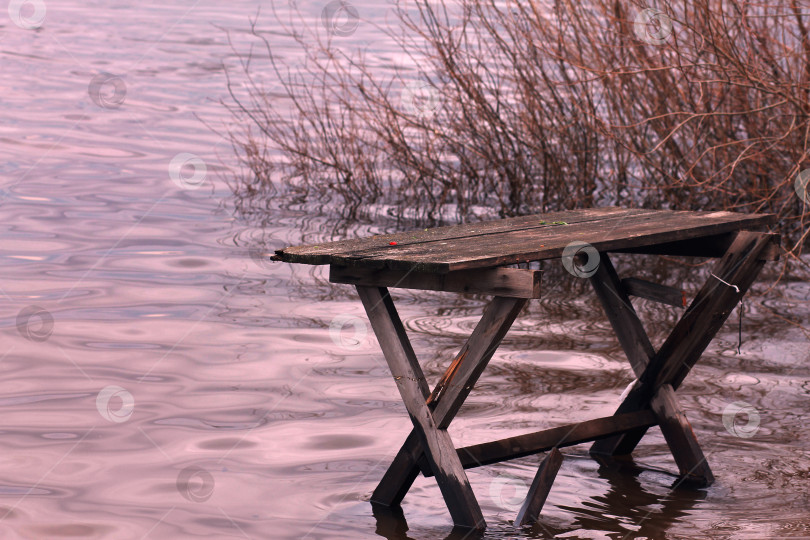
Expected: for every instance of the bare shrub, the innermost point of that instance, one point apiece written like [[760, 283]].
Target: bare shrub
[[522, 107]]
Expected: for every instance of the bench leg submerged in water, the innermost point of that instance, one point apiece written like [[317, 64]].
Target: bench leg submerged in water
[[432, 413], [663, 371], [540, 488], [639, 351]]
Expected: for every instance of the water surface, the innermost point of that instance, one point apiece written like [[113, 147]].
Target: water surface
[[157, 381]]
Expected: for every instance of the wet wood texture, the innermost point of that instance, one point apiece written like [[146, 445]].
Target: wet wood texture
[[681, 438], [511, 282], [655, 292], [412, 386], [540, 488], [526, 238], [449, 394], [561, 436], [694, 331]]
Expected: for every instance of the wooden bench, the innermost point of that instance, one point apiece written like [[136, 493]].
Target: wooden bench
[[472, 258]]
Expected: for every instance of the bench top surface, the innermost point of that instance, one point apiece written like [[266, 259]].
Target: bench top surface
[[489, 244]]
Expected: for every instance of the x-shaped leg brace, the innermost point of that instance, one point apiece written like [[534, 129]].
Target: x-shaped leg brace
[[660, 373], [431, 413]]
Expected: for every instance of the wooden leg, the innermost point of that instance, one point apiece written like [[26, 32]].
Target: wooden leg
[[629, 330], [695, 330], [436, 443], [622, 315], [540, 488], [681, 438], [449, 394], [400, 475]]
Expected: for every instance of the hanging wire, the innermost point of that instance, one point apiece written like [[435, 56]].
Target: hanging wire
[[741, 308], [739, 335]]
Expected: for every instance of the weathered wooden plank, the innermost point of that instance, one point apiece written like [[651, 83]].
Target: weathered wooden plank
[[449, 394], [622, 316], [520, 246], [507, 282], [505, 242], [540, 488], [654, 291], [436, 443], [709, 246], [681, 438], [542, 441], [697, 327], [668, 225], [321, 253]]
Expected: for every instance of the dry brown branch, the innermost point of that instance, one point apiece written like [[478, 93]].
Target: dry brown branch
[[534, 106]]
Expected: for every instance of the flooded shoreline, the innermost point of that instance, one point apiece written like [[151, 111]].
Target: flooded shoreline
[[158, 381]]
